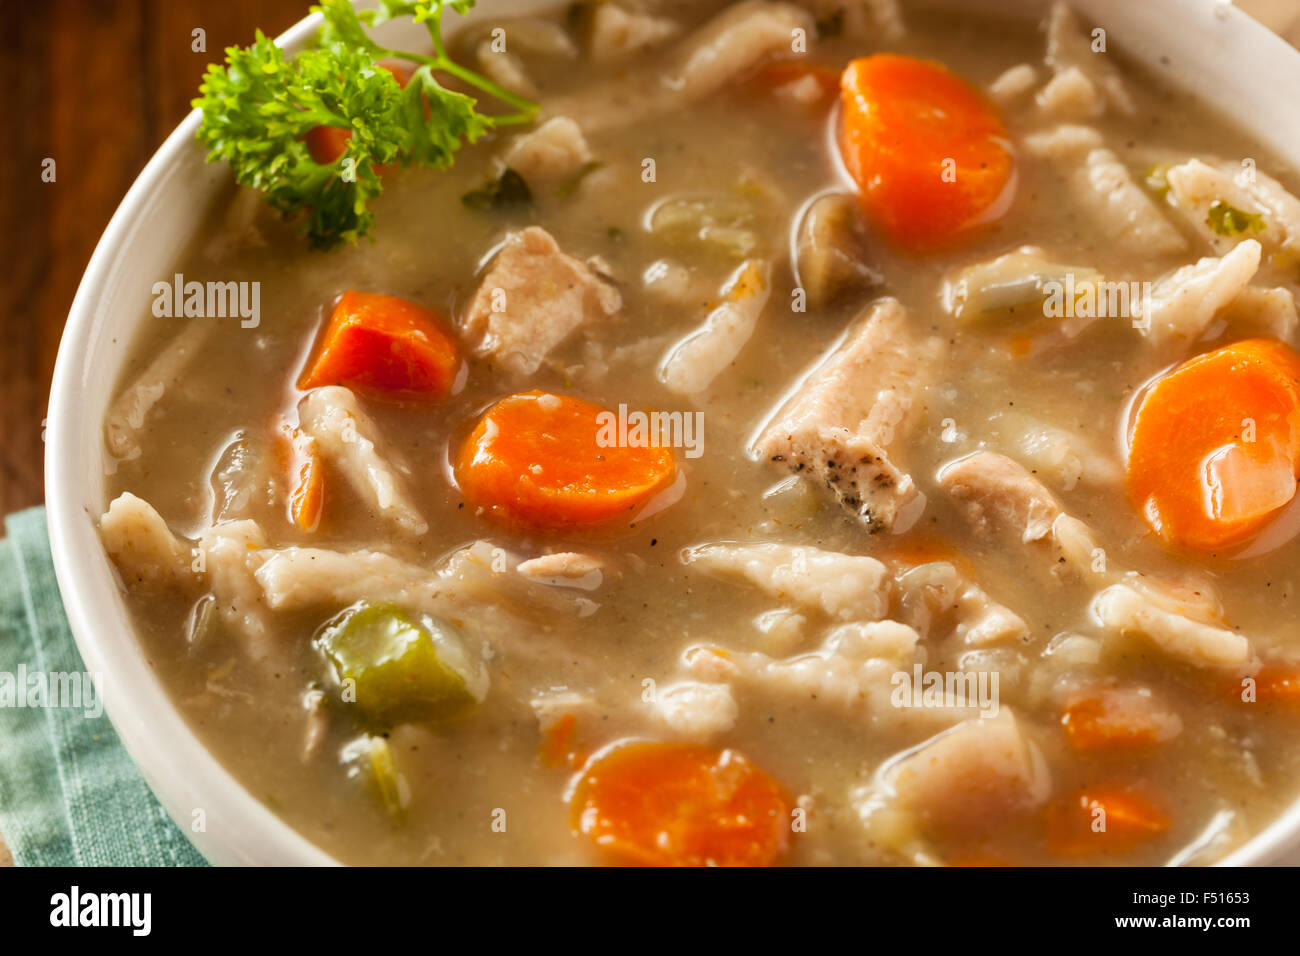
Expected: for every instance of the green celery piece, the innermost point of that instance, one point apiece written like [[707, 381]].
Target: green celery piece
[[402, 669], [1228, 220], [385, 777]]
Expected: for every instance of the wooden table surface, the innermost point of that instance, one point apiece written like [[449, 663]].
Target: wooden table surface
[[95, 85]]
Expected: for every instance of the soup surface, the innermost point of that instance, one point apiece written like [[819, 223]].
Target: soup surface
[[830, 434]]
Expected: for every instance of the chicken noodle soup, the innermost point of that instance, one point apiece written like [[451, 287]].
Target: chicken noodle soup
[[804, 433]]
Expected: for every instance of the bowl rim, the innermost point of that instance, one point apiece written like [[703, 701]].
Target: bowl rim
[[174, 761]]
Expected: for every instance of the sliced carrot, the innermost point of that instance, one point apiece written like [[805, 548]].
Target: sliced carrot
[[384, 347], [551, 461], [915, 549], [1275, 683], [671, 804], [1020, 345], [1103, 820], [326, 144], [1117, 719], [306, 472], [557, 741], [302, 470], [930, 155], [1215, 445], [784, 72]]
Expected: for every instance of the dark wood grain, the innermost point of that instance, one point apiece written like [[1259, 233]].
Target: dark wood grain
[[95, 85]]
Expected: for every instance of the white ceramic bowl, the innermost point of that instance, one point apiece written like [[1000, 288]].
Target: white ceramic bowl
[[1207, 47]]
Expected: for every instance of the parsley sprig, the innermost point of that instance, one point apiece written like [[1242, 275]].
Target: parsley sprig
[[258, 107]]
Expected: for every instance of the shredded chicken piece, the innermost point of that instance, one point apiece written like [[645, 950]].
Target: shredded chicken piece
[[1178, 617], [1123, 214], [696, 711], [846, 415], [553, 151], [474, 575], [1013, 84], [144, 549], [1183, 305], [350, 440], [232, 552], [695, 361], [999, 492], [844, 586], [1069, 47], [734, 41], [505, 69], [719, 52], [976, 774], [531, 299], [844, 675], [1195, 187], [294, 578], [618, 34], [1263, 312], [1124, 610], [127, 415], [1071, 95], [564, 569], [985, 622]]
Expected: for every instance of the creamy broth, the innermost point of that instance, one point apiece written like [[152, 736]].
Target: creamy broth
[[1228, 770]]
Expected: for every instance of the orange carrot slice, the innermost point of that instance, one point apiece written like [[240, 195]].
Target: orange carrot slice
[[1276, 684], [557, 741], [325, 144], [384, 347], [670, 804], [919, 548], [549, 461], [928, 152], [1103, 820], [1215, 446], [1117, 719], [304, 473], [784, 72]]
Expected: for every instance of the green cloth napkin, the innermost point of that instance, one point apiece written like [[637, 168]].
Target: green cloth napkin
[[69, 794]]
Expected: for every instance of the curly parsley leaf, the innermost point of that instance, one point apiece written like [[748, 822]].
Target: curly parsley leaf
[[259, 107]]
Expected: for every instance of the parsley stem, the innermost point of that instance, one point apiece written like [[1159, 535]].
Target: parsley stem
[[523, 105], [527, 109]]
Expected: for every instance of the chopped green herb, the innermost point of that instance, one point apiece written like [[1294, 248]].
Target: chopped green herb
[[258, 108], [508, 189], [1228, 220], [1156, 180]]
